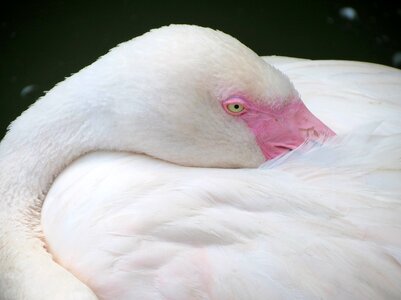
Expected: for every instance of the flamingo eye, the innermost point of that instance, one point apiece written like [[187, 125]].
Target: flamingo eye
[[234, 106]]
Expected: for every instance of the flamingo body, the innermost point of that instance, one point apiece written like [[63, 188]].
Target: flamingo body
[[322, 222]]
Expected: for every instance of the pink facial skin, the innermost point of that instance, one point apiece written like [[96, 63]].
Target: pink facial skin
[[280, 129]]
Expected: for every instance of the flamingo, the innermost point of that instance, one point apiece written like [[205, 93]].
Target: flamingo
[[163, 192]]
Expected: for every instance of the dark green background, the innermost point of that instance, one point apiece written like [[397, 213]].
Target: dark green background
[[44, 41]]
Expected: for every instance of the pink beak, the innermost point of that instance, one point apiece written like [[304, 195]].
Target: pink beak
[[279, 131]]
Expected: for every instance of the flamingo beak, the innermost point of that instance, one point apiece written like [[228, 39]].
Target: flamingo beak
[[281, 130]]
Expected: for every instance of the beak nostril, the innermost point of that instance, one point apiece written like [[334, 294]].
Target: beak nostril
[[284, 148]]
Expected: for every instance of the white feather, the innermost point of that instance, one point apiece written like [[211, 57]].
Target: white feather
[[322, 222]]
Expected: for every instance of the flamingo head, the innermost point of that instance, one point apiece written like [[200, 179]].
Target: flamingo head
[[207, 100]]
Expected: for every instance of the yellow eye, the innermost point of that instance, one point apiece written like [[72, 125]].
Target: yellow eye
[[235, 108]]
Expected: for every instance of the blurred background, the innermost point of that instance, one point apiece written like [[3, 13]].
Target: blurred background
[[42, 42]]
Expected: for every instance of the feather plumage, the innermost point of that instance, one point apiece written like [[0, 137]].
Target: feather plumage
[[322, 222]]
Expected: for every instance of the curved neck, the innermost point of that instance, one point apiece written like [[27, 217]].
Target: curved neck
[[41, 142], [74, 118]]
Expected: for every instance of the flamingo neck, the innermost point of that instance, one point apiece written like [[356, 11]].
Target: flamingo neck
[[65, 124], [36, 149]]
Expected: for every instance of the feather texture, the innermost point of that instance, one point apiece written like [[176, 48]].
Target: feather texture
[[322, 222]]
